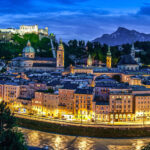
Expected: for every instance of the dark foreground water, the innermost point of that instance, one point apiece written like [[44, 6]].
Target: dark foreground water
[[63, 142]]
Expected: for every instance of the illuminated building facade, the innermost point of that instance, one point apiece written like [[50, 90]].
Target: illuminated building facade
[[24, 29], [142, 106], [45, 104], [66, 100], [11, 92], [121, 107], [60, 55], [108, 58], [83, 105]]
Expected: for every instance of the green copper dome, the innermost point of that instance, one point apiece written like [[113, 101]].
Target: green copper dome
[[28, 48]]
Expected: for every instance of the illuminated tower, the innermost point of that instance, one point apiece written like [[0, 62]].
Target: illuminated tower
[[89, 61], [108, 58], [60, 55], [93, 83], [71, 69]]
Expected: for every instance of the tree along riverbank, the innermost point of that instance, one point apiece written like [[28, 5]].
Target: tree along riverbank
[[83, 130]]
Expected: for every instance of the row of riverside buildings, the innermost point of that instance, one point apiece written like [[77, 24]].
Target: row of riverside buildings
[[78, 96], [41, 86]]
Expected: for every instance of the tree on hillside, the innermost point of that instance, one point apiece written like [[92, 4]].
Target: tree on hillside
[[10, 137]]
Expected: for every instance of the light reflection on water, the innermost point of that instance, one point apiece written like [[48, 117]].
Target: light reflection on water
[[63, 142]]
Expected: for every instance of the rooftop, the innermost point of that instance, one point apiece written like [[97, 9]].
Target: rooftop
[[84, 91]]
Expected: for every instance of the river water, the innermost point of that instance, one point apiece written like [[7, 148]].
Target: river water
[[64, 142]]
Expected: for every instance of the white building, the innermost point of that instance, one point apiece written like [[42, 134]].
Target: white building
[[26, 29]]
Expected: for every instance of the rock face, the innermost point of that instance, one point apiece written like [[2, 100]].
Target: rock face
[[122, 36]]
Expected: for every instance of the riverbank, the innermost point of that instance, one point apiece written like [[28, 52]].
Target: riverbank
[[83, 130]]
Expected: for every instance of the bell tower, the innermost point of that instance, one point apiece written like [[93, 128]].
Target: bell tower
[[108, 58], [60, 55], [133, 51]]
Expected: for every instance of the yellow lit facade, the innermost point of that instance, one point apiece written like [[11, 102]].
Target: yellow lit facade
[[60, 55], [108, 59], [83, 106]]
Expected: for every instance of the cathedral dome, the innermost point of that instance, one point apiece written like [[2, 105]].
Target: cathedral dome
[[28, 48]]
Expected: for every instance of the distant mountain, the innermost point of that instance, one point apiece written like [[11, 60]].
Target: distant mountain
[[122, 36]]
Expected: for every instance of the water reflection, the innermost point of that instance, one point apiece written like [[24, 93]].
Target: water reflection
[[63, 142], [139, 144]]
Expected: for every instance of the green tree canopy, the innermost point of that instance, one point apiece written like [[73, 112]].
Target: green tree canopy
[[147, 147], [10, 137]]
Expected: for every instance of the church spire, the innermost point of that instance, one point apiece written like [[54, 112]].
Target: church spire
[[89, 61], [132, 46], [133, 51], [61, 47], [108, 52]]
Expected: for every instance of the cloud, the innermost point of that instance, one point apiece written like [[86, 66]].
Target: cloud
[[145, 10], [72, 19], [68, 2]]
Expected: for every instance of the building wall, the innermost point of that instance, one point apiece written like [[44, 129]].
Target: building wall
[[129, 67], [11, 92], [50, 103], [134, 81], [121, 107], [37, 103], [60, 58], [1, 92], [83, 106], [66, 99], [142, 106], [28, 29], [45, 104], [88, 71], [102, 91], [108, 61], [101, 112]]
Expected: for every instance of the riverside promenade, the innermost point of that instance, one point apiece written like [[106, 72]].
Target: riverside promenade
[[85, 123]]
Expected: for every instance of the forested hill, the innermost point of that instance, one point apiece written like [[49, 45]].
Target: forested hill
[[74, 48]]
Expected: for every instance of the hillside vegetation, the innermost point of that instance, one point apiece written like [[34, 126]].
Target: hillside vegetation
[[75, 48]]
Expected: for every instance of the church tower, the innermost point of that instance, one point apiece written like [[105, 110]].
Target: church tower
[[89, 61], [133, 51], [108, 58], [60, 55]]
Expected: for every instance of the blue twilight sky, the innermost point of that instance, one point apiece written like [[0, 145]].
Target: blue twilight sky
[[80, 19]]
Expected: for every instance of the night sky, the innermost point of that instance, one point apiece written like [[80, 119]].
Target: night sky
[[77, 19]]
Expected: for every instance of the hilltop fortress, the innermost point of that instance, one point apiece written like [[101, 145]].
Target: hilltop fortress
[[23, 29]]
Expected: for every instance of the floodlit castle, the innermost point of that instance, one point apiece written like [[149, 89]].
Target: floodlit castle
[[26, 29]]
